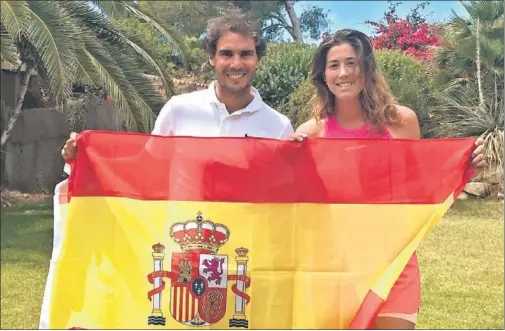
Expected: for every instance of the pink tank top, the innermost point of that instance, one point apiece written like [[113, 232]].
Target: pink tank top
[[332, 129], [407, 297]]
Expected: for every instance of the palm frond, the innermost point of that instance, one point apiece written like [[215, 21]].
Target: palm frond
[[455, 84], [111, 8], [106, 72], [492, 54], [140, 82], [493, 144], [143, 53], [167, 31], [486, 10], [8, 50], [52, 33], [459, 27], [108, 77], [83, 75], [145, 99], [95, 21], [459, 114], [146, 96], [496, 32], [459, 54], [14, 15], [108, 30]]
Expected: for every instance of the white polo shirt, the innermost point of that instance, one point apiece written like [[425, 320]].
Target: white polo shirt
[[201, 114]]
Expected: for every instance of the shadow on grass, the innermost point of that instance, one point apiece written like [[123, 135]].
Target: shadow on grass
[[477, 208]]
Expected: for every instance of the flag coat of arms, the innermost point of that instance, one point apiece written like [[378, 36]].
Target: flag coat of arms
[[213, 233]]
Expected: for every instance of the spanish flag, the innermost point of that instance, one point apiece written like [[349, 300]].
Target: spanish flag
[[216, 233]]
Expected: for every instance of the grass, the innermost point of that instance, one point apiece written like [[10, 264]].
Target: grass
[[26, 245], [462, 265]]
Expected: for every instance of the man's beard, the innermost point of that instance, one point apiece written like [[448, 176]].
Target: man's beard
[[235, 89]]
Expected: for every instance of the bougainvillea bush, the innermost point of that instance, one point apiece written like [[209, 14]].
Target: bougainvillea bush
[[402, 36], [412, 35]]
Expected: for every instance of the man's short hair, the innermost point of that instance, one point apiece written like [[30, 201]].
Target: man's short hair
[[233, 22]]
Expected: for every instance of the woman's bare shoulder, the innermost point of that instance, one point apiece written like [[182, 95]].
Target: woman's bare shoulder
[[407, 126], [311, 128]]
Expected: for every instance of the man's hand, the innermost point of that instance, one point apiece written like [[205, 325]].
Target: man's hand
[[69, 151]]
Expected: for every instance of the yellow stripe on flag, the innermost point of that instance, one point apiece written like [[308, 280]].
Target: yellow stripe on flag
[[303, 273], [382, 285]]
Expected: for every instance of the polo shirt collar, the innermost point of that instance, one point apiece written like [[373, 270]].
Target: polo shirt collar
[[255, 105]]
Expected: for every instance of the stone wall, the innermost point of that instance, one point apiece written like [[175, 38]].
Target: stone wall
[[10, 80], [33, 161]]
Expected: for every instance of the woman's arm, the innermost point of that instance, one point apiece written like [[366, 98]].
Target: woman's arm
[[311, 128], [408, 125]]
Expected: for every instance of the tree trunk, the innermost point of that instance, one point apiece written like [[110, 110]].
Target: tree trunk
[[296, 32], [478, 63], [17, 111]]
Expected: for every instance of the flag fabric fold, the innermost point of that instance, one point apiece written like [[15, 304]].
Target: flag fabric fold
[[187, 232]]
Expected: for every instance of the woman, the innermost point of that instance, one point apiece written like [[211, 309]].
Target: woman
[[354, 101]]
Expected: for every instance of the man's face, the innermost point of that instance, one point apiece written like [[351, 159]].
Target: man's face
[[235, 62]]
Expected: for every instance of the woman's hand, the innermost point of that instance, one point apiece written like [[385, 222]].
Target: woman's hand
[[478, 161], [297, 137], [478, 155]]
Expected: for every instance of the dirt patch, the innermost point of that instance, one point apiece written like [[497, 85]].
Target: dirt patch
[[16, 198]]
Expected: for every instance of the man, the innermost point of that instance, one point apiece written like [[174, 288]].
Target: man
[[230, 106]]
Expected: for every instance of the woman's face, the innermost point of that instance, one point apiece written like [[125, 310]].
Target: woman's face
[[343, 73]]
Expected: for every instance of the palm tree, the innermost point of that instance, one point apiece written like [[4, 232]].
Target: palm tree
[[471, 101], [462, 113], [76, 42], [462, 58]]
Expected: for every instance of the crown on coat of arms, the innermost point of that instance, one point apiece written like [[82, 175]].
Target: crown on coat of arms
[[158, 248], [241, 251], [199, 234]]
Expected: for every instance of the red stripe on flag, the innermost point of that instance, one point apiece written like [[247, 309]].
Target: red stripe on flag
[[192, 307], [367, 312], [174, 302], [181, 301], [187, 304], [260, 170], [195, 303]]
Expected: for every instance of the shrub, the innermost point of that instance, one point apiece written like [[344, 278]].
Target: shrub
[[282, 71], [401, 36], [412, 34], [298, 107], [410, 82], [462, 113]]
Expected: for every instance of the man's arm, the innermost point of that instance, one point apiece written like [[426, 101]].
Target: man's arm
[[288, 131], [163, 127], [164, 122]]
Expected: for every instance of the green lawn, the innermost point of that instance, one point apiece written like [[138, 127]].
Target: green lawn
[[462, 269], [461, 264], [26, 248]]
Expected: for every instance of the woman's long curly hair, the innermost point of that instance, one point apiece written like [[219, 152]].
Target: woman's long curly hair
[[376, 98]]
